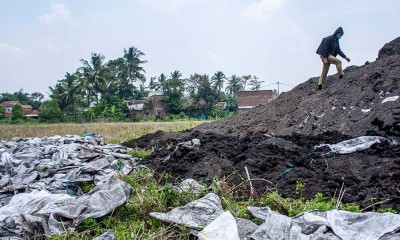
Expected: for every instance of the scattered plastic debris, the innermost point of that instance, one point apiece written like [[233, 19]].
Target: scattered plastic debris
[[109, 235], [196, 214], [41, 211], [41, 180], [288, 170], [200, 213], [190, 185], [193, 144], [390, 99], [334, 224], [224, 227], [355, 144]]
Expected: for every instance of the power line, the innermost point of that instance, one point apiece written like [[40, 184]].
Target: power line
[[279, 83]]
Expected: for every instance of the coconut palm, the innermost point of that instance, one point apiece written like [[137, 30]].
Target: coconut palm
[[56, 93], [153, 84], [256, 85], [218, 80], [235, 84], [95, 76], [134, 70], [245, 80], [71, 89], [161, 80], [192, 83], [176, 75]]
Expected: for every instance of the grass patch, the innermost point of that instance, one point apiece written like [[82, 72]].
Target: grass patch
[[87, 186], [140, 152], [133, 221], [112, 132]]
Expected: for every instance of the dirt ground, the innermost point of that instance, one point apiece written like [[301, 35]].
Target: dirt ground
[[368, 176], [276, 141], [352, 105]]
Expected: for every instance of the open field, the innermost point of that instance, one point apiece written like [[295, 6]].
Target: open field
[[112, 132]]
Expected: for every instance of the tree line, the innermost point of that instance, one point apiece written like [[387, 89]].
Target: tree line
[[98, 89]]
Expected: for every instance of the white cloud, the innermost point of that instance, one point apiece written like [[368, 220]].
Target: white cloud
[[9, 47], [59, 12], [8, 50], [260, 9]]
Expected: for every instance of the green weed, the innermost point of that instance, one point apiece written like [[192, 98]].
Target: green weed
[[87, 186], [140, 152]]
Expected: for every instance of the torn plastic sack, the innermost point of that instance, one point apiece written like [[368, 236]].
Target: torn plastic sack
[[59, 164], [332, 225], [222, 228], [369, 225], [189, 185], [41, 211], [355, 144], [196, 214], [200, 213], [193, 144], [109, 235]]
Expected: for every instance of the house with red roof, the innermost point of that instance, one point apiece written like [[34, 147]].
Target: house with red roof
[[27, 109]]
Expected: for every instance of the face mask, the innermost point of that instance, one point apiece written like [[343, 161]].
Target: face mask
[[338, 36]]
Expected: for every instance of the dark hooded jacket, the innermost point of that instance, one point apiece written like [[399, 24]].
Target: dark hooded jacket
[[330, 45]]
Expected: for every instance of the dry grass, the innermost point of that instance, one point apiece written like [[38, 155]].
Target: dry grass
[[112, 132]]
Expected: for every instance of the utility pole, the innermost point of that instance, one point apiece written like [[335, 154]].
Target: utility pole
[[278, 86], [280, 83]]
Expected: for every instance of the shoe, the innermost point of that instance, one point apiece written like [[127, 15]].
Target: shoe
[[319, 87], [340, 76]]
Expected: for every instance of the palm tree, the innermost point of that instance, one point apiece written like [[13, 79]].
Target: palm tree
[[37, 96], [174, 88], [56, 93], [245, 80], [218, 80], [122, 86], [71, 88], [95, 76], [256, 85], [161, 79], [153, 84], [192, 83], [176, 75], [235, 84], [134, 70]]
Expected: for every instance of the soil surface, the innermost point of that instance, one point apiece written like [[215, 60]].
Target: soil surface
[[368, 176], [352, 105], [276, 141]]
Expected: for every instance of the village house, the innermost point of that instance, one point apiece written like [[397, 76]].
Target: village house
[[250, 99], [150, 106], [153, 106], [158, 108], [27, 109]]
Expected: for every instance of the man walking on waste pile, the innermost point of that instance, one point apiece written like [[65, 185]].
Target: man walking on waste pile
[[328, 50]]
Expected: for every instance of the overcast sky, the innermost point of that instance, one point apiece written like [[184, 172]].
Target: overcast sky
[[275, 40]]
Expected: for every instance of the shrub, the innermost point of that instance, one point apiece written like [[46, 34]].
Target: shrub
[[17, 112], [51, 112], [2, 111], [151, 119]]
